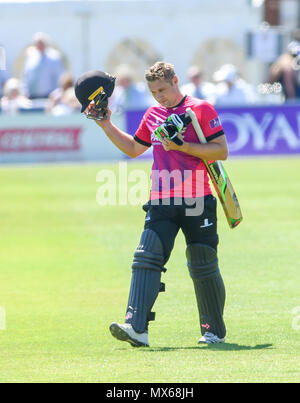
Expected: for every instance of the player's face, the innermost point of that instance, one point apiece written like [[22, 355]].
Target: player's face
[[166, 93]]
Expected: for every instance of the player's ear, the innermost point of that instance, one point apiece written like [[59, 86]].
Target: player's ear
[[175, 80]]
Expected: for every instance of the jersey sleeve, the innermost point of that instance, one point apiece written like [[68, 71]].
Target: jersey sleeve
[[209, 121], [143, 134]]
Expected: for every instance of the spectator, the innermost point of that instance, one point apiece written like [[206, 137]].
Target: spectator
[[231, 89], [286, 71], [67, 105], [13, 101], [55, 97], [128, 95], [198, 88], [3, 78], [42, 69]]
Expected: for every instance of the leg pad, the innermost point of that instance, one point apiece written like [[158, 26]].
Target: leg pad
[[147, 267], [150, 252], [209, 288], [202, 260]]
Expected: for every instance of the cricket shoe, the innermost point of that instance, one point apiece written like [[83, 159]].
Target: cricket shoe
[[125, 332], [210, 338]]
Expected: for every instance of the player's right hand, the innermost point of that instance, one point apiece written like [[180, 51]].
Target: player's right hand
[[90, 111], [90, 108], [102, 123]]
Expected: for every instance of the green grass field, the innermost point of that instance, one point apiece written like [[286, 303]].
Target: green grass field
[[65, 274]]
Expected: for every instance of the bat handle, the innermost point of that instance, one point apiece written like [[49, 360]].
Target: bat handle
[[196, 125]]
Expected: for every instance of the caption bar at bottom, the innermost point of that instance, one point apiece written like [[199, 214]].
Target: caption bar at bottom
[[180, 393]]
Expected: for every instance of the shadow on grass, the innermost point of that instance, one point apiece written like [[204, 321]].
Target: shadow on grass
[[220, 347]]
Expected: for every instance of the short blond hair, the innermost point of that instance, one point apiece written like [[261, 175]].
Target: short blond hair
[[160, 70]]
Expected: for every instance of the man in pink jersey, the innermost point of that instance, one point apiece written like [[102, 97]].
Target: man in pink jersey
[[180, 198]]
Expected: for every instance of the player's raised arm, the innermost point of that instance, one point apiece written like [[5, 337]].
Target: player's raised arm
[[124, 141], [92, 90]]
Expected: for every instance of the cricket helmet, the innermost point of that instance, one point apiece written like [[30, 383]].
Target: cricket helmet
[[95, 86]]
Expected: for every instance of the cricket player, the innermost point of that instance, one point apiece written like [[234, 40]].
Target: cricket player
[[180, 198]]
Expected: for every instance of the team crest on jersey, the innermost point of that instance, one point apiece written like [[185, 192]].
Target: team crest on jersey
[[154, 138]]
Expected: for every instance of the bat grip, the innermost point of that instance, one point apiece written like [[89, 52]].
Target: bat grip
[[196, 126]]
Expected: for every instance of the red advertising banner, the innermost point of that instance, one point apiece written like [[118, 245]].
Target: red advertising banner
[[42, 139]]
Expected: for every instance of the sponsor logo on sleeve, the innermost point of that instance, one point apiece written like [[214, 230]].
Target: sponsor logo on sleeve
[[215, 123]]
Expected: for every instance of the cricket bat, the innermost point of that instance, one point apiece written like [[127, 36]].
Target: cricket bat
[[220, 180]]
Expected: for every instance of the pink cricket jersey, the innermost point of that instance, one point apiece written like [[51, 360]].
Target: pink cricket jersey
[[174, 173]]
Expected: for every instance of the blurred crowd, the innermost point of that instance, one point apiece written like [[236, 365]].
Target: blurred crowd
[[44, 84]]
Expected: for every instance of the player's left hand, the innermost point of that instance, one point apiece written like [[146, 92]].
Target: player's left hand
[[170, 145]]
